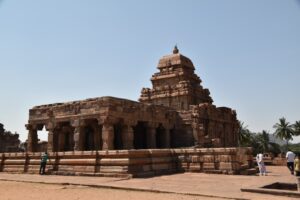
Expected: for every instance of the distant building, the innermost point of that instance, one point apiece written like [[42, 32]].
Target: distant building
[[9, 142]]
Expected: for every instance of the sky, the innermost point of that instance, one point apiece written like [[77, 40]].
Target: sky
[[247, 52]]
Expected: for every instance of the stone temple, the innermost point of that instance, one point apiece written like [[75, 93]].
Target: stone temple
[[176, 112], [173, 128]]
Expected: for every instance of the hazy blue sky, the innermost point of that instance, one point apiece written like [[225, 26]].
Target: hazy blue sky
[[246, 52]]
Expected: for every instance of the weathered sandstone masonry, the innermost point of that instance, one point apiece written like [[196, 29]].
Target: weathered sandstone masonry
[[176, 112], [133, 163], [173, 128], [104, 123]]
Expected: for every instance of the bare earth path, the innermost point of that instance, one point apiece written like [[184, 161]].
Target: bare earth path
[[201, 186], [10, 190]]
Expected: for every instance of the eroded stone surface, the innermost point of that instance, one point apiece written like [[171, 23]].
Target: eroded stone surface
[[176, 112]]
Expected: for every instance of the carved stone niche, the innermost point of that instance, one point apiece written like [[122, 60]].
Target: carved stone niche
[[198, 133]]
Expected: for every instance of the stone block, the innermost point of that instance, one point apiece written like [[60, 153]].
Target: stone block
[[76, 168], [195, 167], [77, 162], [208, 158], [227, 158], [208, 165], [161, 166], [195, 159], [229, 166], [146, 168], [113, 169], [161, 160], [15, 162], [34, 162]]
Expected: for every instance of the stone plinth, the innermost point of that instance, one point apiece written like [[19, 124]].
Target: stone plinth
[[133, 163]]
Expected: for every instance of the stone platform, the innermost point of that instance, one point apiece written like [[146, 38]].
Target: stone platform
[[133, 163]]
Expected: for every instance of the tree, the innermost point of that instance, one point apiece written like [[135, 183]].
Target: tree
[[2, 130], [244, 135], [284, 130], [264, 141], [296, 128]]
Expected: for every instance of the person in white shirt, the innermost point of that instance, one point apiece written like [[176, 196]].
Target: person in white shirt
[[290, 157], [261, 164]]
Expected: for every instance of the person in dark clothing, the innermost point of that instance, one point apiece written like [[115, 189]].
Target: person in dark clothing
[[44, 160]]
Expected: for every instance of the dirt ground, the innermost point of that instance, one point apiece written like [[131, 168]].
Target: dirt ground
[[10, 190], [175, 186]]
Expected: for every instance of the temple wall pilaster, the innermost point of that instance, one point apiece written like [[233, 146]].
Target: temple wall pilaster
[[32, 138], [108, 136], [127, 136], [151, 135], [78, 143]]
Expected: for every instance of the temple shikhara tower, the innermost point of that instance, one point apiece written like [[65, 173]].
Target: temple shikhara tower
[[176, 85], [176, 112]]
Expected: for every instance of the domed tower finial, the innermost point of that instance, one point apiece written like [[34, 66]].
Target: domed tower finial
[[175, 50]]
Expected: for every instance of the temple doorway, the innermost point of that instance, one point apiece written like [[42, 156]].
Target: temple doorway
[[88, 138], [139, 132], [118, 142], [160, 137]]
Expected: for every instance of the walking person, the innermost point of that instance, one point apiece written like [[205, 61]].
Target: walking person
[[297, 165], [261, 164], [290, 157], [44, 160]]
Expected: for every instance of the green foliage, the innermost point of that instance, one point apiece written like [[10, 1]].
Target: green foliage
[[284, 130], [2, 128], [275, 148], [263, 140], [296, 128], [260, 142], [295, 148], [244, 135]]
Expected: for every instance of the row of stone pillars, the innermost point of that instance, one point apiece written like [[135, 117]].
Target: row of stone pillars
[[105, 136]]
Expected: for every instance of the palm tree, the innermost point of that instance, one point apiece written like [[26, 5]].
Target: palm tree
[[264, 140], [244, 135], [296, 128], [284, 130]]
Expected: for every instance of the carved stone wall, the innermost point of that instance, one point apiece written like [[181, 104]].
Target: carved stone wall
[[101, 124], [213, 126], [175, 85], [133, 163], [176, 112]]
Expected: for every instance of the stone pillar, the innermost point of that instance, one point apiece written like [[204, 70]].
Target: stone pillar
[[198, 133], [127, 137], [151, 136], [77, 135], [32, 138], [50, 129], [50, 140], [108, 136]]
